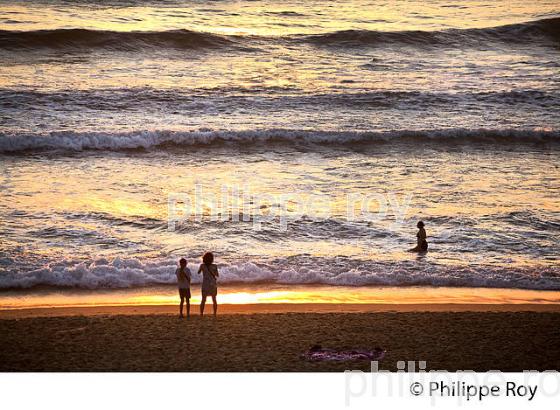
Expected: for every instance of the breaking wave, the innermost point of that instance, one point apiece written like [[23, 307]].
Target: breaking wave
[[118, 141], [128, 273]]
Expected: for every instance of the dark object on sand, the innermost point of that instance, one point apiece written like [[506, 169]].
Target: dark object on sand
[[317, 353]]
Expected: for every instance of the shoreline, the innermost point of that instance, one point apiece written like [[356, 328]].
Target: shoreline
[[263, 297], [274, 308]]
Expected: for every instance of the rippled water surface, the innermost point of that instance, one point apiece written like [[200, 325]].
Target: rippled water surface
[[443, 111]]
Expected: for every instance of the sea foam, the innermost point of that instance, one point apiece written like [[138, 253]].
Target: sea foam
[[116, 141]]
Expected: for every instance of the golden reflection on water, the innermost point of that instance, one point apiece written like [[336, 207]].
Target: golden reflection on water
[[275, 18], [140, 189], [285, 294], [245, 18]]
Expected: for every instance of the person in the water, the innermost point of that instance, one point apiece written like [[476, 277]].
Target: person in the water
[[422, 244]]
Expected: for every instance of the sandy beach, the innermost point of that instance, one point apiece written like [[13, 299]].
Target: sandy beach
[[271, 337]]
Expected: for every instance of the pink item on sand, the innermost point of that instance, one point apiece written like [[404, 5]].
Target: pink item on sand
[[318, 353]]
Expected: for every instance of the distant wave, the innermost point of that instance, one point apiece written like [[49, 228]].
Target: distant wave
[[132, 272], [83, 39], [523, 33], [76, 141], [272, 97]]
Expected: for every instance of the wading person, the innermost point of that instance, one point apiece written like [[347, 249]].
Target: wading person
[[421, 243]]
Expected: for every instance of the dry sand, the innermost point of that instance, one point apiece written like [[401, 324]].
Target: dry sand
[[271, 337]]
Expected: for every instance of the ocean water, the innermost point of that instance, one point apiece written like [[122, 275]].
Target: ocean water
[[344, 123]]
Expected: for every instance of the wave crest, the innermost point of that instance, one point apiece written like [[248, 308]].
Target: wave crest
[[523, 33], [107, 141], [79, 39], [129, 273], [113, 40]]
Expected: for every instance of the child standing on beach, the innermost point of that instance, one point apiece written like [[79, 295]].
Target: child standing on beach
[[184, 283], [209, 281]]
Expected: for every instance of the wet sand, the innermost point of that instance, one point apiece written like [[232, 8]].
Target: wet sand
[[272, 337]]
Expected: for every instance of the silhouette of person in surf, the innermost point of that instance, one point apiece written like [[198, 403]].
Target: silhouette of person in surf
[[422, 244]]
